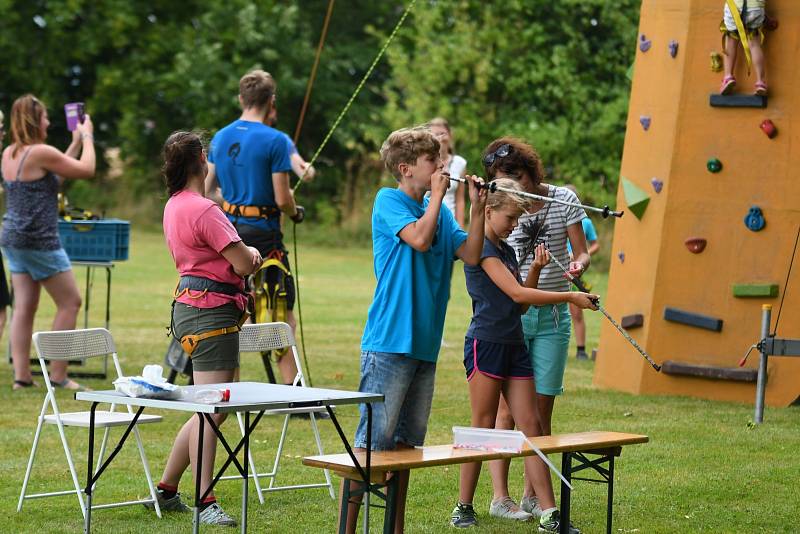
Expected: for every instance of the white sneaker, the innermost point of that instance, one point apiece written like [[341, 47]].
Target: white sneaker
[[531, 505], [506, 508], [215, 515]]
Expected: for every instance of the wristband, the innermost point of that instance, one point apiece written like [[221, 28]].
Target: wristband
[[87, 136]]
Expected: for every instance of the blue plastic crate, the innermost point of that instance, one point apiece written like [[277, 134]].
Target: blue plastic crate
[[104, 240]]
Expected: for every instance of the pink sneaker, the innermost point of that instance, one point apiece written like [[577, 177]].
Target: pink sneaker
[[761, 89], [728, 85]]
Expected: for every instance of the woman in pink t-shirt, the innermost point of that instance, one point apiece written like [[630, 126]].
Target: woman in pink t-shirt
[[212, 262]]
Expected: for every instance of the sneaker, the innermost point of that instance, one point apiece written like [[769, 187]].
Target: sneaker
[[550, 523], [463, 516], [581, 355], [506, 508], [728, 85], [173, 504], [531, 505], [215, 515]]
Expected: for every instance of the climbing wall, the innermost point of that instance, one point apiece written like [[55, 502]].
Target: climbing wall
[[690, 271]]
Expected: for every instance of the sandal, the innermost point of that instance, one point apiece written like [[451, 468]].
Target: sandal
[[761, 89], [70, 384], [728, 85], [22, 384]]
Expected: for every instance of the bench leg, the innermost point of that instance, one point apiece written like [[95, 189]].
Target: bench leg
[[345, 506], [390, 513], [610, 493], [566, 470]]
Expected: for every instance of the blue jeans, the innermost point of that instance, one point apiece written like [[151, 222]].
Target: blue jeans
[[407, 385]]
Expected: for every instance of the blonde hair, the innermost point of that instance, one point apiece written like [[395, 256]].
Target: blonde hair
[[441, 121], [405, 146], [26, 122], [256, 88], [498, 200]]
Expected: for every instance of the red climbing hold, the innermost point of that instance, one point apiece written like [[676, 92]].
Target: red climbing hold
[[696, 245], [769, 128]]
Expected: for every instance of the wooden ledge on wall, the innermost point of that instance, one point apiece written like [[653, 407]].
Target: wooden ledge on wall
[[737, 101], [737, 374]]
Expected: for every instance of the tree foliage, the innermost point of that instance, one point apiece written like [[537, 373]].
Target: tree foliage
[[551, 72]]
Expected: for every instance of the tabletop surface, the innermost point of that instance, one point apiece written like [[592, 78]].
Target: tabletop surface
[[245, 396]]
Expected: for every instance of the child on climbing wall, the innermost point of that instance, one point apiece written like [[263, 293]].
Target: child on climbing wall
[[748, 16]]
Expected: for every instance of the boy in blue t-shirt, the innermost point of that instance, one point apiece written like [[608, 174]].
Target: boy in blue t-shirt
[[415, 241]]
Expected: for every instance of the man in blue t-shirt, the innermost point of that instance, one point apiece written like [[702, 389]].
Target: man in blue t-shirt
[[414, 242], [248, 165]]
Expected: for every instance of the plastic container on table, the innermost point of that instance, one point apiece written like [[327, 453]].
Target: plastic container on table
[[95, 240], [488, 439]]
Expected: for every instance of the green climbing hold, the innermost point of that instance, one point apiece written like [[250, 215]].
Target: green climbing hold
[[714, 165], [755, 290], [635, 197]]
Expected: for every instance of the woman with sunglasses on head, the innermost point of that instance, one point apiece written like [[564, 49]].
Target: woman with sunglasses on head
[[32, 173], [454, 198], [546, 328]]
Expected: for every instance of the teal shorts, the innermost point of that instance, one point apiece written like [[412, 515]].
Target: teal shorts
[[547, 329]]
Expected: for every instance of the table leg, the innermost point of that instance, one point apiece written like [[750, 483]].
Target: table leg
[[245, 481], [87, 526], [198, 476], [108, 297], [86, 298], [368, 481], [566, 470], [390, 514]]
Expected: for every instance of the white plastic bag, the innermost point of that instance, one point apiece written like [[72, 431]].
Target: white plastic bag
[[151, 384]]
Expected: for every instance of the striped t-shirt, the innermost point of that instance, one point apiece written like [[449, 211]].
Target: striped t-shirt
[[557, 217]]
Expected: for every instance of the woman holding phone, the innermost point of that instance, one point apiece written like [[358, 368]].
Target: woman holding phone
[[32, 172]]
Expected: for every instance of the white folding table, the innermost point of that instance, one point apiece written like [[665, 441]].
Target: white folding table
[[245, 397]]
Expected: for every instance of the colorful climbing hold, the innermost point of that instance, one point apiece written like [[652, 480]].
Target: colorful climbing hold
[[644, 43], [673, 48], [632, 321], [645, 120], [696, 245], [754, 220], [769, 128], [716, 62], [621, 256], [658, 185], [755, 290], [714, 165], [635, 197]]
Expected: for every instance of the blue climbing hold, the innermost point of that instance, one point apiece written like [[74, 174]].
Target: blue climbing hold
[[754, 220]]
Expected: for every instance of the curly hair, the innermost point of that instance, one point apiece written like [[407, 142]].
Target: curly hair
[[521, 157], [405, 146]]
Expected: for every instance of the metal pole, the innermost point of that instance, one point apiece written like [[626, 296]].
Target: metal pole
[[761, 385]]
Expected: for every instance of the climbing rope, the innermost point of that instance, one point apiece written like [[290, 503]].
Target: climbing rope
[[355, 93], [313, 76], [322, 146]]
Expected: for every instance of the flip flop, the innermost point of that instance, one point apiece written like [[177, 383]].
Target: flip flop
[[70, 384], [22, 384], [728, 85]]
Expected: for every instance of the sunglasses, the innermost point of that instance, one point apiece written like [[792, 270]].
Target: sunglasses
[[501, 152]]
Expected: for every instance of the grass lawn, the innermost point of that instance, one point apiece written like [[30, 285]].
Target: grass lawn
[[704, 469]]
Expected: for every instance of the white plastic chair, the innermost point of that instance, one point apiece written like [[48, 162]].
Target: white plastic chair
[[262, 337], [80, 345]]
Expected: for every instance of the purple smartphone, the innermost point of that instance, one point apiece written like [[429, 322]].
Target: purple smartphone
[[75, 114]]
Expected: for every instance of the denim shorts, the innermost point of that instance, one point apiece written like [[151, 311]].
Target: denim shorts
[[39, 264], [547, 329], [497, 360], [407, 385]]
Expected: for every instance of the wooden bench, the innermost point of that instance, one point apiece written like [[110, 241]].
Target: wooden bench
[[580, 451]]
